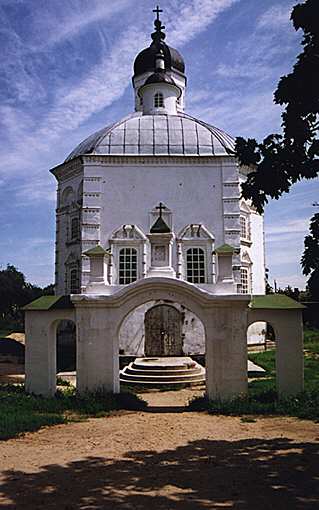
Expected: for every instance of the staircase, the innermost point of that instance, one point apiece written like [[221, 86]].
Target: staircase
[[157, 372]]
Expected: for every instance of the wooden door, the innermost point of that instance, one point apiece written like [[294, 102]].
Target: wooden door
[[163, 331]]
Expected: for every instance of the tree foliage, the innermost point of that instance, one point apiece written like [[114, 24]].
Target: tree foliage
[[15, 292], [310, 258], [280, 160]]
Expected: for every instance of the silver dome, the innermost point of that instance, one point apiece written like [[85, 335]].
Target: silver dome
[[162, 135]]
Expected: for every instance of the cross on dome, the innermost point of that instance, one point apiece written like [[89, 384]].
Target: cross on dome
[[158, 35], [157, 12]]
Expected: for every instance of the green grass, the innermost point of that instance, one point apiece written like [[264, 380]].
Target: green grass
[[262, 395], [20, 412]]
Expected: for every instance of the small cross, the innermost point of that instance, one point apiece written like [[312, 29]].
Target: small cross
[[160, 206], [157, 12]]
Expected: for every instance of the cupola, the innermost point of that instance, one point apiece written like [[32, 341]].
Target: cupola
[[159, 80]]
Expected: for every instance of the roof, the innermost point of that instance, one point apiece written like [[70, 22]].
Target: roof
[[167, 135], [96, 250], [160, 227], [145, 60], [225, 248], [275, 302], [159, 77], [49, 303]]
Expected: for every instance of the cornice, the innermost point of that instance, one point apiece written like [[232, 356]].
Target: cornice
[[155, 160]]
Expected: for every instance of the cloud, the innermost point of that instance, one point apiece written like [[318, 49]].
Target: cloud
[[275, 18], [194, 17], [290, 226], [104, 84]]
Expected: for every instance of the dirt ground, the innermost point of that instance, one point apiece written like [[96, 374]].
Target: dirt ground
[[163, 458]]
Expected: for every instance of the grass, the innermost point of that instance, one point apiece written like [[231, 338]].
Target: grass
[[262, 395], [20, 412]]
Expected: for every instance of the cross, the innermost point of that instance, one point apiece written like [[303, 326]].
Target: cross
[[160, 206], [157, 12]]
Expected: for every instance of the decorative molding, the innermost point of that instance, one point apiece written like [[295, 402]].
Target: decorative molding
[[154, 160]]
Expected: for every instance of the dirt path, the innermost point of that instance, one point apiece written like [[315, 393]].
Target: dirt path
[[163, 459]]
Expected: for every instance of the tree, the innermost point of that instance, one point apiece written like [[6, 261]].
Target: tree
[[310, 258], [283, 159], [280, 160], [15, 292]]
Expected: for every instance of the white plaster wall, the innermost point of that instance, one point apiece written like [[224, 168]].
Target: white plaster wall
[[170, 95], [63, 247], [257, 254], [132, 333], [192, 192]]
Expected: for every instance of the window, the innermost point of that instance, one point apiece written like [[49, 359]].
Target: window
[[195, 260], [74, 228], [244, 280], [158, 100], [244, 227], [127, 266], [74, 288]]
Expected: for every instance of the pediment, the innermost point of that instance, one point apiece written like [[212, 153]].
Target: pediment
[[246, 258], [244, 207], [196, 231], [128, 232]]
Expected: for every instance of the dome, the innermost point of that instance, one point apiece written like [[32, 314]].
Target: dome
[[159, 77], [162, 135], [145, 60]]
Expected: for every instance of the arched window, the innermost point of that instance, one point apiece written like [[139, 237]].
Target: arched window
[[127, 266], [244, 280], [195, 260], [158, 100], [74, 285], [74, 228]]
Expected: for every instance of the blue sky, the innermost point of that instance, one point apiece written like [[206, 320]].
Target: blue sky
[[66, 71]]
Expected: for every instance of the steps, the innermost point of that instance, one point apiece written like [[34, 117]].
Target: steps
[[157, 372]]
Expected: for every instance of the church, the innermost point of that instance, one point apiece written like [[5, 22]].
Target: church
[[159, 192], [157, 254]]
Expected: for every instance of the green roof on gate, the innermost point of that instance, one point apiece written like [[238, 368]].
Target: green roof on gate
[[275, 302], [49, 303]]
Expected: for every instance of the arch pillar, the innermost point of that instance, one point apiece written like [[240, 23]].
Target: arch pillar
[[40, 349], [226, 350], [97, 349], [288, 328]]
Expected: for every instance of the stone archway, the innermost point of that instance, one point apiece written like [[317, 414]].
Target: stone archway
[[163, 332]]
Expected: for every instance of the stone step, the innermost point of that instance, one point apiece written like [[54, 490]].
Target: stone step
[[165, 363], [162, 378], [163, 371], [130, 369]]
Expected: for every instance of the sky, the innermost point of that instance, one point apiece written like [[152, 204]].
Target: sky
[[66, 71]]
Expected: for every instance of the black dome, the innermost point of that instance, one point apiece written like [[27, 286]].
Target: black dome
[[159, 77], [145, 60]]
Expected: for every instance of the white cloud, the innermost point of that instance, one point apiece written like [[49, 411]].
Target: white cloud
[[194, 17], [291, 226], [275, 18]]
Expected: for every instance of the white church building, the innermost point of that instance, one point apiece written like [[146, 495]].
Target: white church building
[[156, 248], [159, 191]]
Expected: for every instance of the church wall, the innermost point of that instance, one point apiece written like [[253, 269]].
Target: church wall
[[68, 251], [192, 192], [257, 253]]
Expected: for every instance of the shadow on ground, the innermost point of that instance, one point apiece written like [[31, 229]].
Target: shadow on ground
[[247, 474]]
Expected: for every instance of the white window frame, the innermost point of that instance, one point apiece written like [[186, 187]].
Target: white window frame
[[245, 284], [121, 239], [125, 257], [159, 100], [196, 236], [192, 279]]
